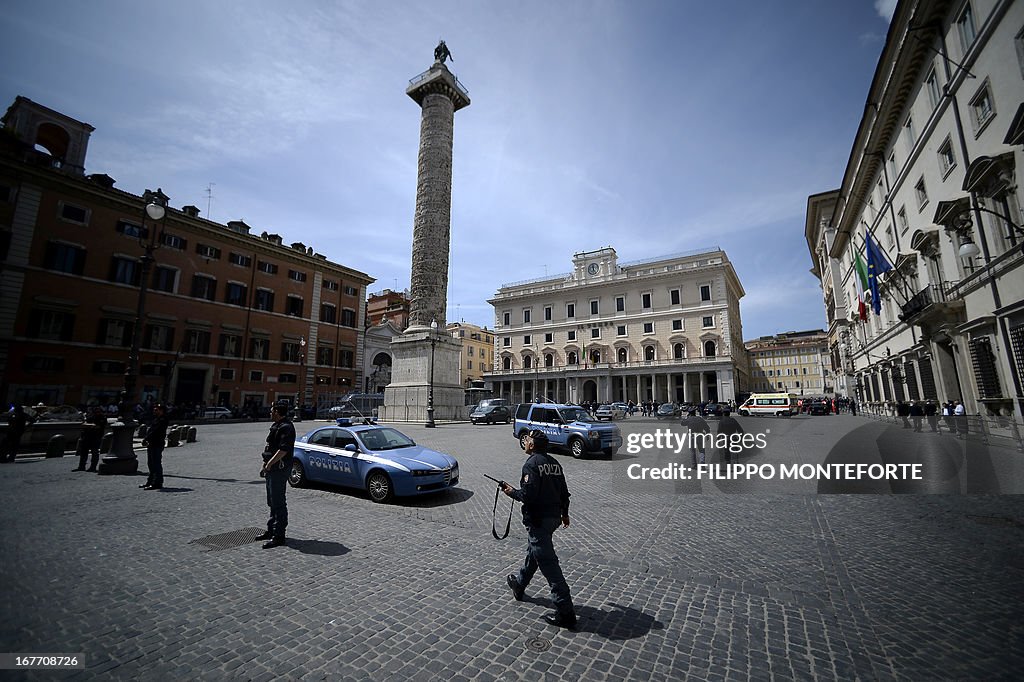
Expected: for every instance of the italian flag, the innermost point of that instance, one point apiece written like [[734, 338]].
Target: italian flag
[[862, 283]]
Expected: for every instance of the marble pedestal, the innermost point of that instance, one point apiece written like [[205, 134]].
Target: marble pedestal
[[407, 396]]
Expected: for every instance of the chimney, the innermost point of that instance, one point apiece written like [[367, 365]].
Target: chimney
[[190, 211]]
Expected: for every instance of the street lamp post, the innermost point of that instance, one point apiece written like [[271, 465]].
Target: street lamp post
[[430, 388], [300, 394], [122, 459]]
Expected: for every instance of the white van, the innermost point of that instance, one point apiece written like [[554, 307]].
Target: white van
[[771, 404]]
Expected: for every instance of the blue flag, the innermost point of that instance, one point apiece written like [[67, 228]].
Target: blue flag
[[877, 264]]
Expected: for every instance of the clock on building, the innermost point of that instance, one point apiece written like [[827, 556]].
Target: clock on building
[[593, 268]]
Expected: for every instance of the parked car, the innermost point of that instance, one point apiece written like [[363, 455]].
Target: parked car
[[668, 411], [714, 410], [381, 460], [609, 411], [568, 427], [820, 407], [491, 411], [217, 413]]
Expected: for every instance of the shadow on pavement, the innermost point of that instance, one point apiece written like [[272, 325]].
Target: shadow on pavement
[[615, 623], [175, 490], [320, 547], [441, 499]]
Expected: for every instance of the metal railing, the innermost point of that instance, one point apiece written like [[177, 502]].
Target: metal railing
[[930, 295], [998, 431], [423, 76]]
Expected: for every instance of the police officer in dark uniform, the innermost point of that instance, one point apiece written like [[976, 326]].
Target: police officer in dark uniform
[[277, 463], [545, 499], [156, 437]]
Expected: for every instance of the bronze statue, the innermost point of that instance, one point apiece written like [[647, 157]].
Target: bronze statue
[[442, 53]]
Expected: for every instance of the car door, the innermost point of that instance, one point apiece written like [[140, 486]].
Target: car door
[[347, 461]]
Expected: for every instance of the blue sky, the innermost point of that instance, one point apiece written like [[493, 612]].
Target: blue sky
[[651, 126]]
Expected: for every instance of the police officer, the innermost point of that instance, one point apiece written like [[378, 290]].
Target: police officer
[[277, 463], [154, 442], [545, 500]]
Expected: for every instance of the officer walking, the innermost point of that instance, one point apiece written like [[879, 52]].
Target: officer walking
[[277, 463], [545, 500]]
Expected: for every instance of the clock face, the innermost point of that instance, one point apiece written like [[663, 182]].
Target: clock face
[[594, 267]]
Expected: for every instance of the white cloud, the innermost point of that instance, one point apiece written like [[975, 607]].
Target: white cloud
[[885, 8]]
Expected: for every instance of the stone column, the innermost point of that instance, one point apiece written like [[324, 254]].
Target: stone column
[[703, 386], [686, 387]]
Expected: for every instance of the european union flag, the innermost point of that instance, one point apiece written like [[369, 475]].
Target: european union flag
[[877, 264]]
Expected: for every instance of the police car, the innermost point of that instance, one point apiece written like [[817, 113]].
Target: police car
[[378, 459]]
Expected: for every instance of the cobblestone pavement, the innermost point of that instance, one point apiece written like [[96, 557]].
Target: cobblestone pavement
[[667, 584]]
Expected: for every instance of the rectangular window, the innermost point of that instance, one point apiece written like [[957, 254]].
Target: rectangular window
[[236, 294], [197, 342], [264, 300], [705, 292], [506, 341], [526, 316], [921, 193], [911, 133], [708, 321], [51, 325], [620, 330], [645, 301], [130, 229], [570, 310], [982, 109], [346, 358], [901, 218], [620, 304], [289, 351], [296, 275], [348, 318], [204, 286], [674, 296], [230, 346], [548, 338], [931, 85], [269, 268], [571, 335], [165, 279], [648, 327], [287, 378], [67, 258], [890, 238], [507, 317], [965, 29], [330, 285], [946, 157], [595, 332], [892, 167], [173, 241], [207, 251], [114, 333], [328, 313], [293, 306], [527, 340], [325, 356], [469, 349], [594, 307], [72, 214], [259, 348], [547, 313], [158, 337], [227, 374], [351, 291], [239, 259], [677, 325], [124, 270], [256, 376]]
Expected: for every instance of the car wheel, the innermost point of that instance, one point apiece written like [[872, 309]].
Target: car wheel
[[297, 476], [576, 448], [522, 439], [378, 484]]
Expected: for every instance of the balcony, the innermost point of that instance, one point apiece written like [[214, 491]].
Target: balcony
[[934, 299]]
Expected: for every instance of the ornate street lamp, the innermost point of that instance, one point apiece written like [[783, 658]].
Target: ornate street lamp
[[121, 459], [430, 388]]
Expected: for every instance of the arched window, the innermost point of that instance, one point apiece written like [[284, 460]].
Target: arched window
[[595, 356], [572, 358], [623, 355], [506, 362], [709, 349], [549, 360], [648, 353], [678, 351], [528, 362]]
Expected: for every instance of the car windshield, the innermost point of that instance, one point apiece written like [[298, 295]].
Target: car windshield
[[667, 407], [384, 439], [575, 414]]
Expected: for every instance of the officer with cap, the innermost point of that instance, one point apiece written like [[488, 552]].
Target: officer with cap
[[545, 500], [277, 463]]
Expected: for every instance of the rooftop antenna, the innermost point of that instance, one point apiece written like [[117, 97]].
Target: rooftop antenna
[[209, 199]]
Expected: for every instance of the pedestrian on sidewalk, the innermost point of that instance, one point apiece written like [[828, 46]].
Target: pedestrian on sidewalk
[[545, 499], [699, 431], [155, 439], [277, 464], [916, 415], [734, 432], [17, 422], [91, 438]]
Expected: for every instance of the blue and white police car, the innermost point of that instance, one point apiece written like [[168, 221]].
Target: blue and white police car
[[379, 459]]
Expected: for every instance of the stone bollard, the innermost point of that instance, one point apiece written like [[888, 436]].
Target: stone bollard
[[106, 441], [192, 433], [56, 445], [143, 430], [174, 436]]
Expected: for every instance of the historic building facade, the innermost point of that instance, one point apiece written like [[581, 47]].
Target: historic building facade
[[230, 318], [932, 176], [388, 306], [791, 362], [662, 329], [477, 350]]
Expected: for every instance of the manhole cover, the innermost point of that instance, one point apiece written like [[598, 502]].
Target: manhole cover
[[235, 538], [538, 644]]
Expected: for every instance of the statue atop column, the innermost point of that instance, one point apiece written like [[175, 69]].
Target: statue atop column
[[441, 53]]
